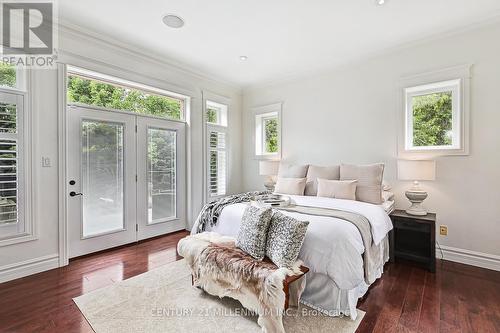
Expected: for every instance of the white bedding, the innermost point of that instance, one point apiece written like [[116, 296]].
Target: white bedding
[[332, 246]]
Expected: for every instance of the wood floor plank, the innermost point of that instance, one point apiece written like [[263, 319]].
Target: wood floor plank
[[429, 315], [410, 314], [458, 298]]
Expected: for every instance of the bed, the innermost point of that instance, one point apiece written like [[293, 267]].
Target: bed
[[333, 250]]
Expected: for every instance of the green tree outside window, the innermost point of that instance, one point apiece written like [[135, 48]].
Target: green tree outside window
[[7, 75], [93, 92], [432, 119]]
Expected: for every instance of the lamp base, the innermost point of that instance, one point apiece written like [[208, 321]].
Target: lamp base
[[416, 198], [270, 183]]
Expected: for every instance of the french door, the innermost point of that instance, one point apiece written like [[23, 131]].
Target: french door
[[126, 178]]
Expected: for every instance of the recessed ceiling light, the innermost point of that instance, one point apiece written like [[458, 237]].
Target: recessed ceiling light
[[380, 2], [173, 21], [243, 58]]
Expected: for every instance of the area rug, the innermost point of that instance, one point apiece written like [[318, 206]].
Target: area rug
[[163, 300]]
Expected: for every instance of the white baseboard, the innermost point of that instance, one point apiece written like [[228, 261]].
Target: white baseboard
[[473, 258], [28, 267]]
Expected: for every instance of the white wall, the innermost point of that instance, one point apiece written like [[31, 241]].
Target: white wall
[[350, 115], [107, 57]]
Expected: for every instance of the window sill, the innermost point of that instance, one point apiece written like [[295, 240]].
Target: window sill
[[18, 239], [275, 156]]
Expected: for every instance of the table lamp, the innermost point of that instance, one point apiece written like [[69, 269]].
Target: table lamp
[[415, 171], [270, 170]]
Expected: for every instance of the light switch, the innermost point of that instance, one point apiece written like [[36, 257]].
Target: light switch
[[46, 162]]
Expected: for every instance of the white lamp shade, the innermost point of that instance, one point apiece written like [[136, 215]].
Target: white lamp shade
[[416, 170], [268, 168]]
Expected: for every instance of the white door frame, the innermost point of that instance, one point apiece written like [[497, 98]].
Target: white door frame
[[63, 243]]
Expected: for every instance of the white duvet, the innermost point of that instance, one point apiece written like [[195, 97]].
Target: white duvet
[[332, 246]]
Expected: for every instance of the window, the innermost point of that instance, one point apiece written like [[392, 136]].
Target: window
[[14, 158], [11, 77], [216, 121], [435, 115], [216, 113], [8, 77], [90, 88], [268, 131]]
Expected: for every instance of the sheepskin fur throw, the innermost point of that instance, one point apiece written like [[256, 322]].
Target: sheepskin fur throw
[[221, 269]]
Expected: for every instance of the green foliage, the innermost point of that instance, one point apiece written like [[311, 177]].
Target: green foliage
[[7, 75], [161, 160], [432, 119], [271, 129], [212, 116], [92, 92]]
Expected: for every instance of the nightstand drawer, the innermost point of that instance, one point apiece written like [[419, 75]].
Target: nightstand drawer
[[409, 225]]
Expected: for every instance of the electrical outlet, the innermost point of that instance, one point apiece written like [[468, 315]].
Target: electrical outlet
[[443, 230]]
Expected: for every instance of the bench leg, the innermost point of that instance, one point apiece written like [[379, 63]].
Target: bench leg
[[295, 290]]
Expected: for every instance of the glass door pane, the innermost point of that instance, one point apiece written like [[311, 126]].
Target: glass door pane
[[102, 166], [161, 174]]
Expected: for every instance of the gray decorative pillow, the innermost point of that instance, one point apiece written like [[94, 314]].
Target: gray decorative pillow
[[253, 231], [285, 239]]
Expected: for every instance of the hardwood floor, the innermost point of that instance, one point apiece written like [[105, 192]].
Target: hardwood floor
[[458, 298]]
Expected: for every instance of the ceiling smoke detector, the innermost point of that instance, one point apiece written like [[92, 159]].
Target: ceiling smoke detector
[[173, 21], [380, 2], [243, 58]]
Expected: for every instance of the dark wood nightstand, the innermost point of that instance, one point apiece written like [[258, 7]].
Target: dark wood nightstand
[[414, 238]]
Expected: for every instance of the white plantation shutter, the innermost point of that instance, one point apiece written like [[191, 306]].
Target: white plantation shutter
[[217, 163], [11, 165]]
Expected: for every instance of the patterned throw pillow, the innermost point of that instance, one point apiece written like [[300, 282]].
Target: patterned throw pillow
[[253, 231], [284, 239]]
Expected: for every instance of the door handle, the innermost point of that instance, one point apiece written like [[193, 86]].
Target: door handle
[[73, 194]]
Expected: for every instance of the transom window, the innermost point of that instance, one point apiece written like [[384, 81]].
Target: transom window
[[11, 77], [90, 88], [216, 113]]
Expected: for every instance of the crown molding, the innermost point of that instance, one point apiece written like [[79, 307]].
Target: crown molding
[[294, 76], [67, 28]]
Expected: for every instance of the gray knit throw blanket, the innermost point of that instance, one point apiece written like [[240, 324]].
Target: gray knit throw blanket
[[210, 213]]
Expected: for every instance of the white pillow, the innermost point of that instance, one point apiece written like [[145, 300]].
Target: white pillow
[[292, 186], [338, 189], [314, 172]]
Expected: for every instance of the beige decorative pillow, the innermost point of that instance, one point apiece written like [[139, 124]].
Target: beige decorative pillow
[[369, 177], [338, 189], [287, 170], [314, 172], [293, 186]]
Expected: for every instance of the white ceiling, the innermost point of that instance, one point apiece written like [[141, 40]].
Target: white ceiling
[[280, 37]]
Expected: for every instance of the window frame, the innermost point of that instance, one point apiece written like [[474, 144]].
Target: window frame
[[21, 82], [454, 79], [221, 127], [221, 110], [453, 86], [116, 81], [26, 226], [261, 114]]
